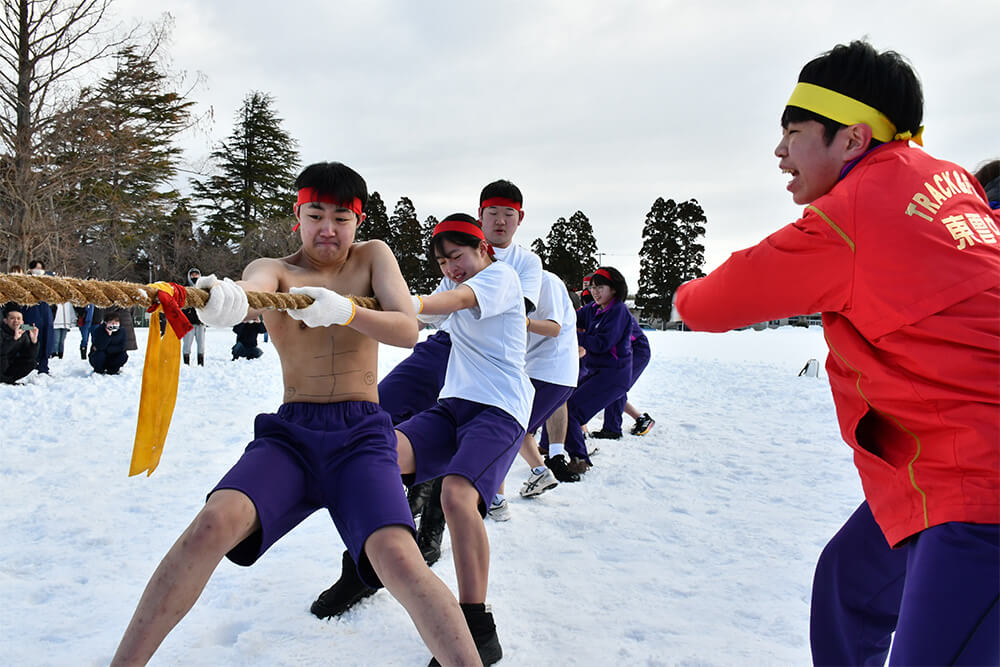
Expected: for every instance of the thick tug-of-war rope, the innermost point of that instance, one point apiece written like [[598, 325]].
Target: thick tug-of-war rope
[[161, 369], [29, 290]]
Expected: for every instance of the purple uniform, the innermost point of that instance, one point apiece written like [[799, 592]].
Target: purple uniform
[[608, 342], [460, 437], [548, 397], [640, 359], [414, 383], [938, 592], [341, 456]]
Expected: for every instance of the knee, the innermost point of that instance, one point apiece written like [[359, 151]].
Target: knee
[[392, 549], [215, 529], [459, 497]]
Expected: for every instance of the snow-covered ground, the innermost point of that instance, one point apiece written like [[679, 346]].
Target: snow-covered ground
[[693, 545]]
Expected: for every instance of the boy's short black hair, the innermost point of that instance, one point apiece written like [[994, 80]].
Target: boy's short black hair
[[885, 81], [435, 247], [334, 179], [11, 307], [36, 264], [501, 188], [617, 281], [112, 316]]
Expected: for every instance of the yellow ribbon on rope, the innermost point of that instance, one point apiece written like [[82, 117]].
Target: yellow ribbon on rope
[[160, 375]]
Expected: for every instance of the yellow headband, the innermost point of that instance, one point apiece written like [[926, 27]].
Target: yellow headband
[[848, 111]]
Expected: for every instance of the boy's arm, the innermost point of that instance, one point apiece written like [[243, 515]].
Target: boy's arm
[[549, 328], [803, 268], [396, 323]]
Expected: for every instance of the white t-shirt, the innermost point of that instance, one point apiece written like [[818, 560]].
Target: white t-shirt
[[554, 360], [529, 271], [486, 362], [528, 266]]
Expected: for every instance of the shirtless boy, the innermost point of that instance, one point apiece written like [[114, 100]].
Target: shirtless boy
[[329, 445]]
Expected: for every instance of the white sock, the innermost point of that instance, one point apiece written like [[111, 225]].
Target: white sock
[[497, 499], [539, 470], [556, 448]]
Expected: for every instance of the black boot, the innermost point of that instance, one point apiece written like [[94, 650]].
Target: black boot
[[484, 633], [187, 359], [201, 359], [417, 494], [560, 469], [347, 592], [83, 353], [431, 524]]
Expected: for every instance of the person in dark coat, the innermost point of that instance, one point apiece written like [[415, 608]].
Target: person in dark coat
[[108, 345], [40, 315], [246, 339], [18, 345]]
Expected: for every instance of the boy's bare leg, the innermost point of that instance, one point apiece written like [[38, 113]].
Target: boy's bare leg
[[435, 612], [226, 519], [469, 543], [557, 423], [529, 452], [631, 411]]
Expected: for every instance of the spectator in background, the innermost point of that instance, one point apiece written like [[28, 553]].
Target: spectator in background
[[197, 332], [246, 339], [988, 176], [85, 316], [63, 319], [40, 315], [107, 351], [18, 345], [126, 321]]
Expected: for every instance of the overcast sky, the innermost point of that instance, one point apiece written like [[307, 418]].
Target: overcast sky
[[586, 105]]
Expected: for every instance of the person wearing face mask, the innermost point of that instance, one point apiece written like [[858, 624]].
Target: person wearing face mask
[[107, 352], [197, 333], [40, 315]]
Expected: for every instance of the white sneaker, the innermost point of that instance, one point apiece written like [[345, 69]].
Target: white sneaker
[[499, 511], [538, 484]]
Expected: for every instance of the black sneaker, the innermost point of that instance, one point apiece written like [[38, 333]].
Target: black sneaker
[[431, 524], [643, 425], [347, 592], [557, 464], [479, 617], [606, 435]]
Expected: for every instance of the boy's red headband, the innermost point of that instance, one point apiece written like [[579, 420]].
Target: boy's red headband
[[500, 201], [311, 195]]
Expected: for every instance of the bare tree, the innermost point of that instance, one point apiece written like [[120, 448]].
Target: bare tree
[[44, 45]]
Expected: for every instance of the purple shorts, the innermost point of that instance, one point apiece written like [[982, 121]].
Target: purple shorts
[[548, 397], [459, 437], [341, 456]]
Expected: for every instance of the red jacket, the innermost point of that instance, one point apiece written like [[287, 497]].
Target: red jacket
[[902, 258]]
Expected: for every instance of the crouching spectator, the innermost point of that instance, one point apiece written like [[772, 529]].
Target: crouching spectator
[[107, 347], [18, 345], [246, 339]]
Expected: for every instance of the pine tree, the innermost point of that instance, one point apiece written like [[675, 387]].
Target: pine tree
[[127, 195], [538, 247], [376, 225], [670, 254], [406, 241], [571, 249], [257, 165], [431, 274]]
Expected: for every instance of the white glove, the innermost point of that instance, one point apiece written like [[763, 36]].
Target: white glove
[[418, 305], [327, 308], [227, 302]]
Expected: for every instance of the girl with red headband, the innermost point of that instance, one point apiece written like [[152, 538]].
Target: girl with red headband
[[605, 332], [473, 433]]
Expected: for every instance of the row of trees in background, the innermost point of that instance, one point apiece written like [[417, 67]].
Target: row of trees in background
[[671, 253], [88, 173]]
